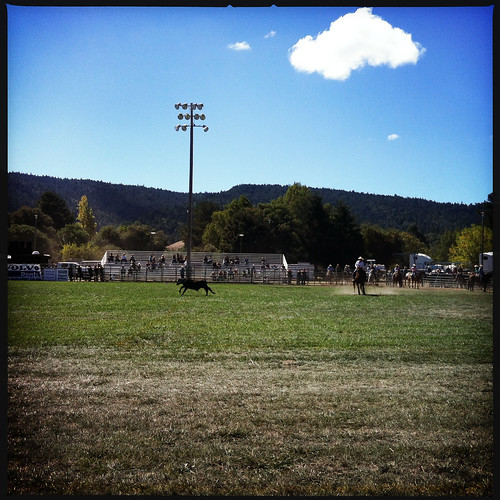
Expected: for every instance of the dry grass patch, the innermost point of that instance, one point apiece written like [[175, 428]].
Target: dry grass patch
[[92, 421]]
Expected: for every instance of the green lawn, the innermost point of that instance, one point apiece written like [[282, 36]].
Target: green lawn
[[130, 388]]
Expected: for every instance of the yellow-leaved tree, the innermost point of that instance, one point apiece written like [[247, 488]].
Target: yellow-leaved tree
[[86, 217], [467, 246], [74, 252]]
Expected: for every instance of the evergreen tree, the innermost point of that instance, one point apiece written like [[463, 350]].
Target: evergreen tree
[[52, 204], [282, 237], [440, 250], [30, 217], [379, 245], [487, 208], [347, 241], [310, 223], [239, 217], [413, 229], [73, 233], [108, 236], [202, 216], [137, 237]]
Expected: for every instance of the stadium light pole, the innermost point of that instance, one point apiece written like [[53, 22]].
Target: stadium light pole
[[36, 224], [482, 237], [241, 241], [191, 116]]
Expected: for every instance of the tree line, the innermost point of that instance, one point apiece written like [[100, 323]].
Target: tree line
[[117, 204], [298, 224]]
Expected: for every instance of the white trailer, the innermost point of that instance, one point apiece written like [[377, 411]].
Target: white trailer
[[421, 260], [487, 261]]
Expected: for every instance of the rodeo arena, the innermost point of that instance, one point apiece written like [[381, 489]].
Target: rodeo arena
[[257, 268]]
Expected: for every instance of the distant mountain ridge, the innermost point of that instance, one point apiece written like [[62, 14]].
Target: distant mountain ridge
[[115, 204]]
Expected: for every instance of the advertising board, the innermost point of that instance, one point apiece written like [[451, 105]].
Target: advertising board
[[24, 272], [52, 274]]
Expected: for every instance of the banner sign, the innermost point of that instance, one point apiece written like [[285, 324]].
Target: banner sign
[[52, 274], [24, 272]]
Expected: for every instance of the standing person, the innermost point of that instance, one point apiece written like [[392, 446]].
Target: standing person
[[329, 271]]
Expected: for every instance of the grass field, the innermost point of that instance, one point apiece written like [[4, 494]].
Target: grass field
[[129, 388]]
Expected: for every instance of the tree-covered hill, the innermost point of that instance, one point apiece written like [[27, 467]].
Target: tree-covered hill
[[115, 204]]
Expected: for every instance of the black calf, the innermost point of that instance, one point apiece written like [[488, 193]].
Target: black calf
[[188, 283]]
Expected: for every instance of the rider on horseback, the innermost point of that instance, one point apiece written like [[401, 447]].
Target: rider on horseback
[[413, 271], [481, 273], [359, 266]]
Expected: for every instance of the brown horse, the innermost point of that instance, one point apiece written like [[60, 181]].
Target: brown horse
[[477, 280], [473, 280], [359, 281], [397, 278], [460, 279], [414, 279]]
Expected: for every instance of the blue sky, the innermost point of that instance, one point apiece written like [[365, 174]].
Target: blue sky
[[394, 100]]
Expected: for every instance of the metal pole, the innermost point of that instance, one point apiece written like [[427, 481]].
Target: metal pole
[[36, 224], [191, 117], [190, 218], [482, 237]]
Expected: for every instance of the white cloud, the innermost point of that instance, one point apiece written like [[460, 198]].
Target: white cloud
[[351, 42], [239, 46], [392, 137], [270, 34]]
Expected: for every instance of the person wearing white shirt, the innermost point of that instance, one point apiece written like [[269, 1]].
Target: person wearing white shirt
[[360, 263]]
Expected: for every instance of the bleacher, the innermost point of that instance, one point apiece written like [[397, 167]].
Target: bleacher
[[240, 267]]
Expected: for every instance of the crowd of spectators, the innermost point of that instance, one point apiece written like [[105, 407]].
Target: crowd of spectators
[[86, 273], [151, 264], [232, 267]]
